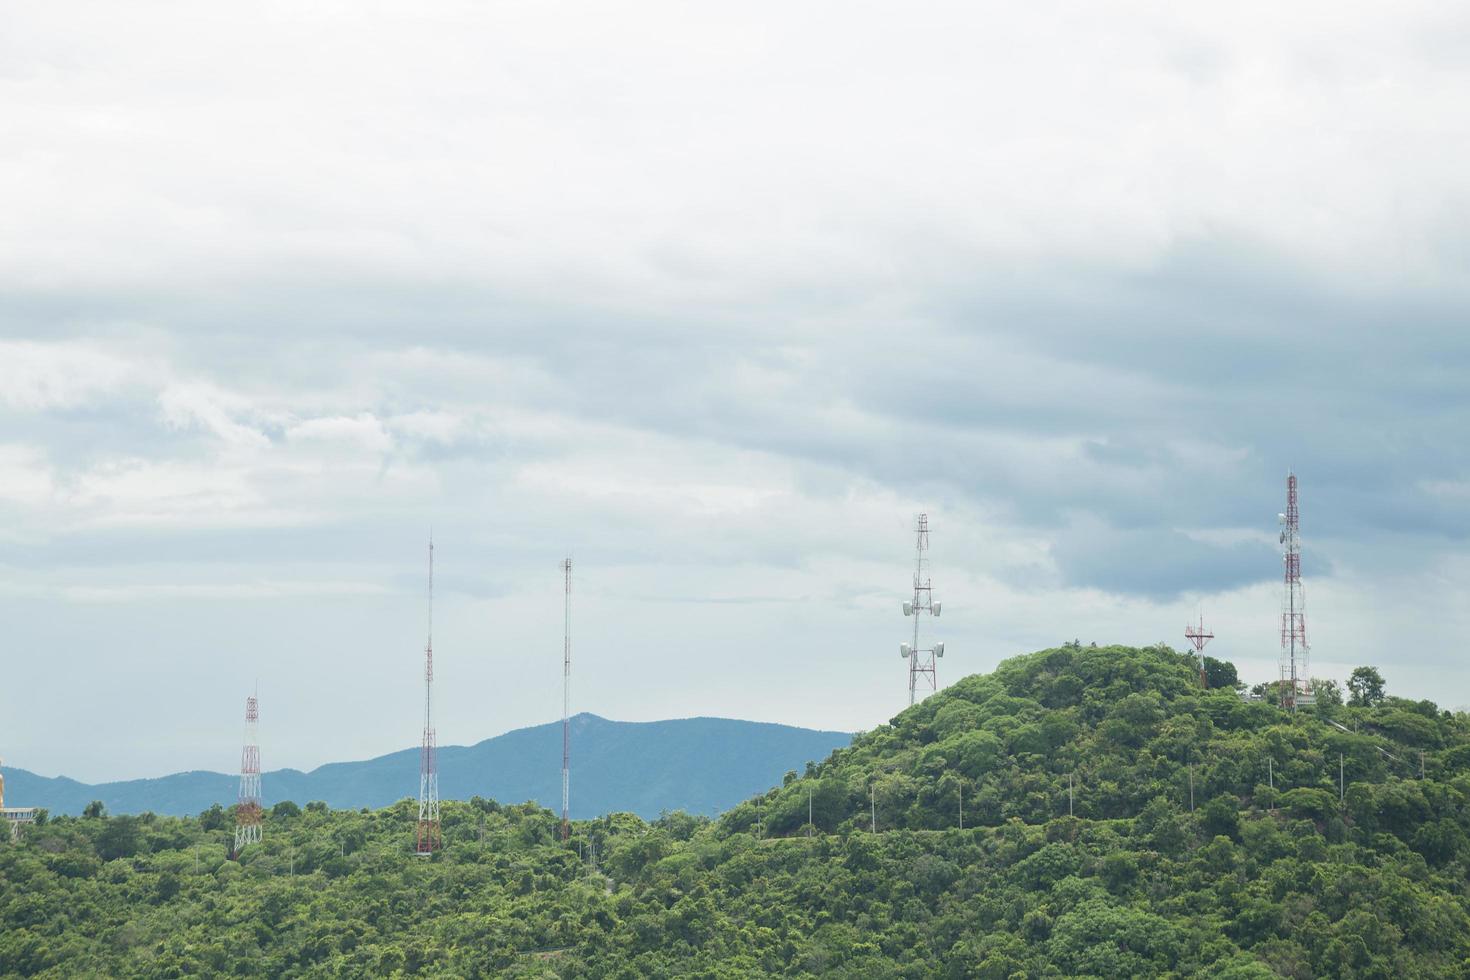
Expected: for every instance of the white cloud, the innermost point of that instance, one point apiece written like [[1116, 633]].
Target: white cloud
[[131, 491], [444, 428], [657, 153], [239, 591], [25, 475], [677, 485], [212, 408], [360, 432], [37, 376]]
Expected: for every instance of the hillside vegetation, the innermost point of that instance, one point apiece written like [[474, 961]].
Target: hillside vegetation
[[1255, 881]]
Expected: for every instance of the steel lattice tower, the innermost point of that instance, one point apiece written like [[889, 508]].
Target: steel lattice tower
[[1197, 638], [921, 659], [1296, 676], [566, 705], [427, 839], [248, 813]]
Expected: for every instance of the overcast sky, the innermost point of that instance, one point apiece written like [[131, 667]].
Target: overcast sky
[[714, 298]]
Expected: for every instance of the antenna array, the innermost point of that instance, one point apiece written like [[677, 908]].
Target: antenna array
[[1197, 638], [1296, 676], [1295, 685], [921, 659], [247, 810]]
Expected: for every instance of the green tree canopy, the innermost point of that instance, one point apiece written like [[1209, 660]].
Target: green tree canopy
[[1365, 687]]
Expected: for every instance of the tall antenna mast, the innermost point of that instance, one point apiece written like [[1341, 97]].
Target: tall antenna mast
[[1197, 638], [921, 660], [247, 809], [566, 704], [428, 840], [1296, 675]]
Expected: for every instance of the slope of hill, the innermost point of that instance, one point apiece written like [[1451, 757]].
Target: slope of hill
[[701, 765], [1126, 726], [1270, 874]]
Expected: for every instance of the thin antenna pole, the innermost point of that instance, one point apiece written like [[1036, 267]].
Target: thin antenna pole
[[566, 704], [428, 839]]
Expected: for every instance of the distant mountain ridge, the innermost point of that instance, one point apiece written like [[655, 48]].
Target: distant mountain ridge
[[702, 765]]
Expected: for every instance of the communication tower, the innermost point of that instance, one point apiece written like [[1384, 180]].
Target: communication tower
[[1197, 638], [921, 659], [566, 703], [1296, 674], [248, 813], [427, 840]]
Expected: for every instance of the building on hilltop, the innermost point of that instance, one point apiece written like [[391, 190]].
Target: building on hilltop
[[15, 817]]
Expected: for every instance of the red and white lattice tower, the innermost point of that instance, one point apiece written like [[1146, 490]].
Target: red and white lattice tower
[[1296, 674], [566, 705], [248, 813], [1197, 638], [427, 840], [921, 659]]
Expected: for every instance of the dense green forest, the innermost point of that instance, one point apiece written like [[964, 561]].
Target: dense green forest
[[1207, 836]]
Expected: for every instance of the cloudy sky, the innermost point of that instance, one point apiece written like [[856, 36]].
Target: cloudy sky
[[713, 298]]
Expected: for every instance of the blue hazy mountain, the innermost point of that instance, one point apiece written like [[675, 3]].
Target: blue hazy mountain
[[702, 765]]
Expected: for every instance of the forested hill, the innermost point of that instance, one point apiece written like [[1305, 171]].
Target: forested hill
[[1124, 727], [1255, 881], [702, 765]]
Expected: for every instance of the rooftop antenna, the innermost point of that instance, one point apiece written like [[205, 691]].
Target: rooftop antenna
[[566, 703], [427, 840], [1296, 676], [248, 813], [921, 659], [1197, 638]]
